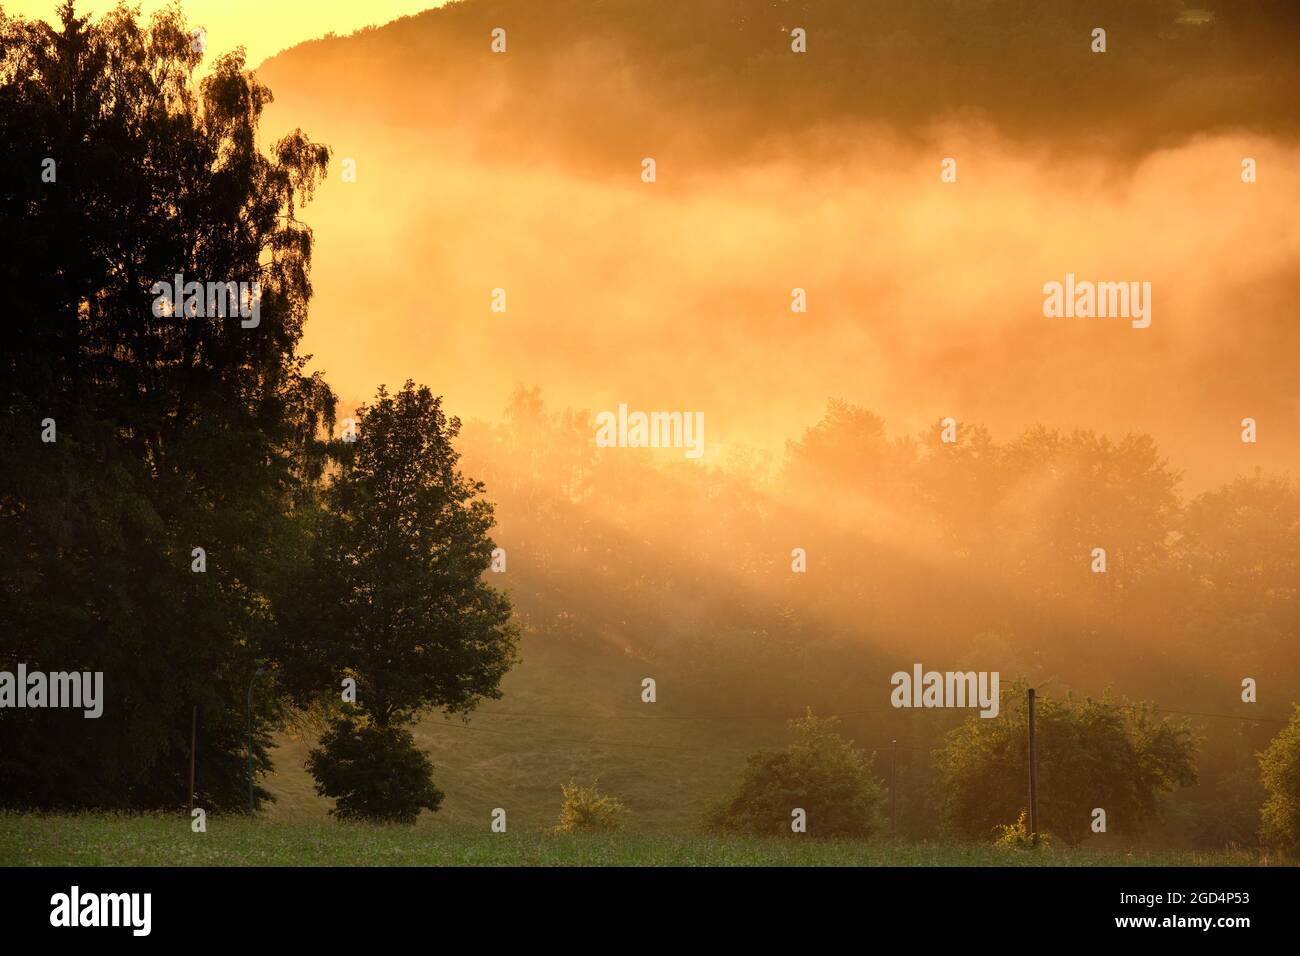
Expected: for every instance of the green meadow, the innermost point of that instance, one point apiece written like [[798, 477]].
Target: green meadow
[[148, 840]]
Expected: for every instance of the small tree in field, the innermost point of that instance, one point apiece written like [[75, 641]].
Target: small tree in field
[[1279, 768], [822, 773], [396, 598], [587, 810]]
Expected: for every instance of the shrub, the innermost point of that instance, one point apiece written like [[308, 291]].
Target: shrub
[[1279, 768], [373, 773], [1016, 836], [821, 772], [586, 810]]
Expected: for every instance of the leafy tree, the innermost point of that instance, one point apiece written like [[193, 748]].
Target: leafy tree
[[396, 594], [1279, 768], [1091, 753], [172, 432], [1240, 548], [848, 452], [821, 772], [373, 773]]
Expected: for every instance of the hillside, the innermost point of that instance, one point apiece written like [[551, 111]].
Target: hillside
[[715, 76], [567, 713]]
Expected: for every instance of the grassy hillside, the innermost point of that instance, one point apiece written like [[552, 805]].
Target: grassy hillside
[[99, 840], [567, 713]]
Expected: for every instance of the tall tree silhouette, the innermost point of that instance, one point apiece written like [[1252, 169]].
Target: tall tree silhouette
[[172, 432]]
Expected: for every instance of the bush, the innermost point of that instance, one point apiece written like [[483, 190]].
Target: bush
[[1091, 753], [1279, 768], [373, 773], [587, 810], [1016, 836], [821, 772]]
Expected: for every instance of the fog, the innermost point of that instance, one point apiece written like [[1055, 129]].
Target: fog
[[924, 298], [924, 302]]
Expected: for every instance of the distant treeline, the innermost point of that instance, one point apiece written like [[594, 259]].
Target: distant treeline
[[719, 76]]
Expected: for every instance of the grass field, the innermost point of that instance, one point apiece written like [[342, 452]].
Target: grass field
[[566, 714], [108, 840]]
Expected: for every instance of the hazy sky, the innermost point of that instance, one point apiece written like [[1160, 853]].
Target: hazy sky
[[923, 303], [924, 299], [261, 27]]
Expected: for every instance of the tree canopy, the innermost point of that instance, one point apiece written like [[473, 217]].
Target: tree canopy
[[168, 470]]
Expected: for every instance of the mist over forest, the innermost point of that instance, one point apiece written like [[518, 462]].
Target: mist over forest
[[477, 171], [821, 171]]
